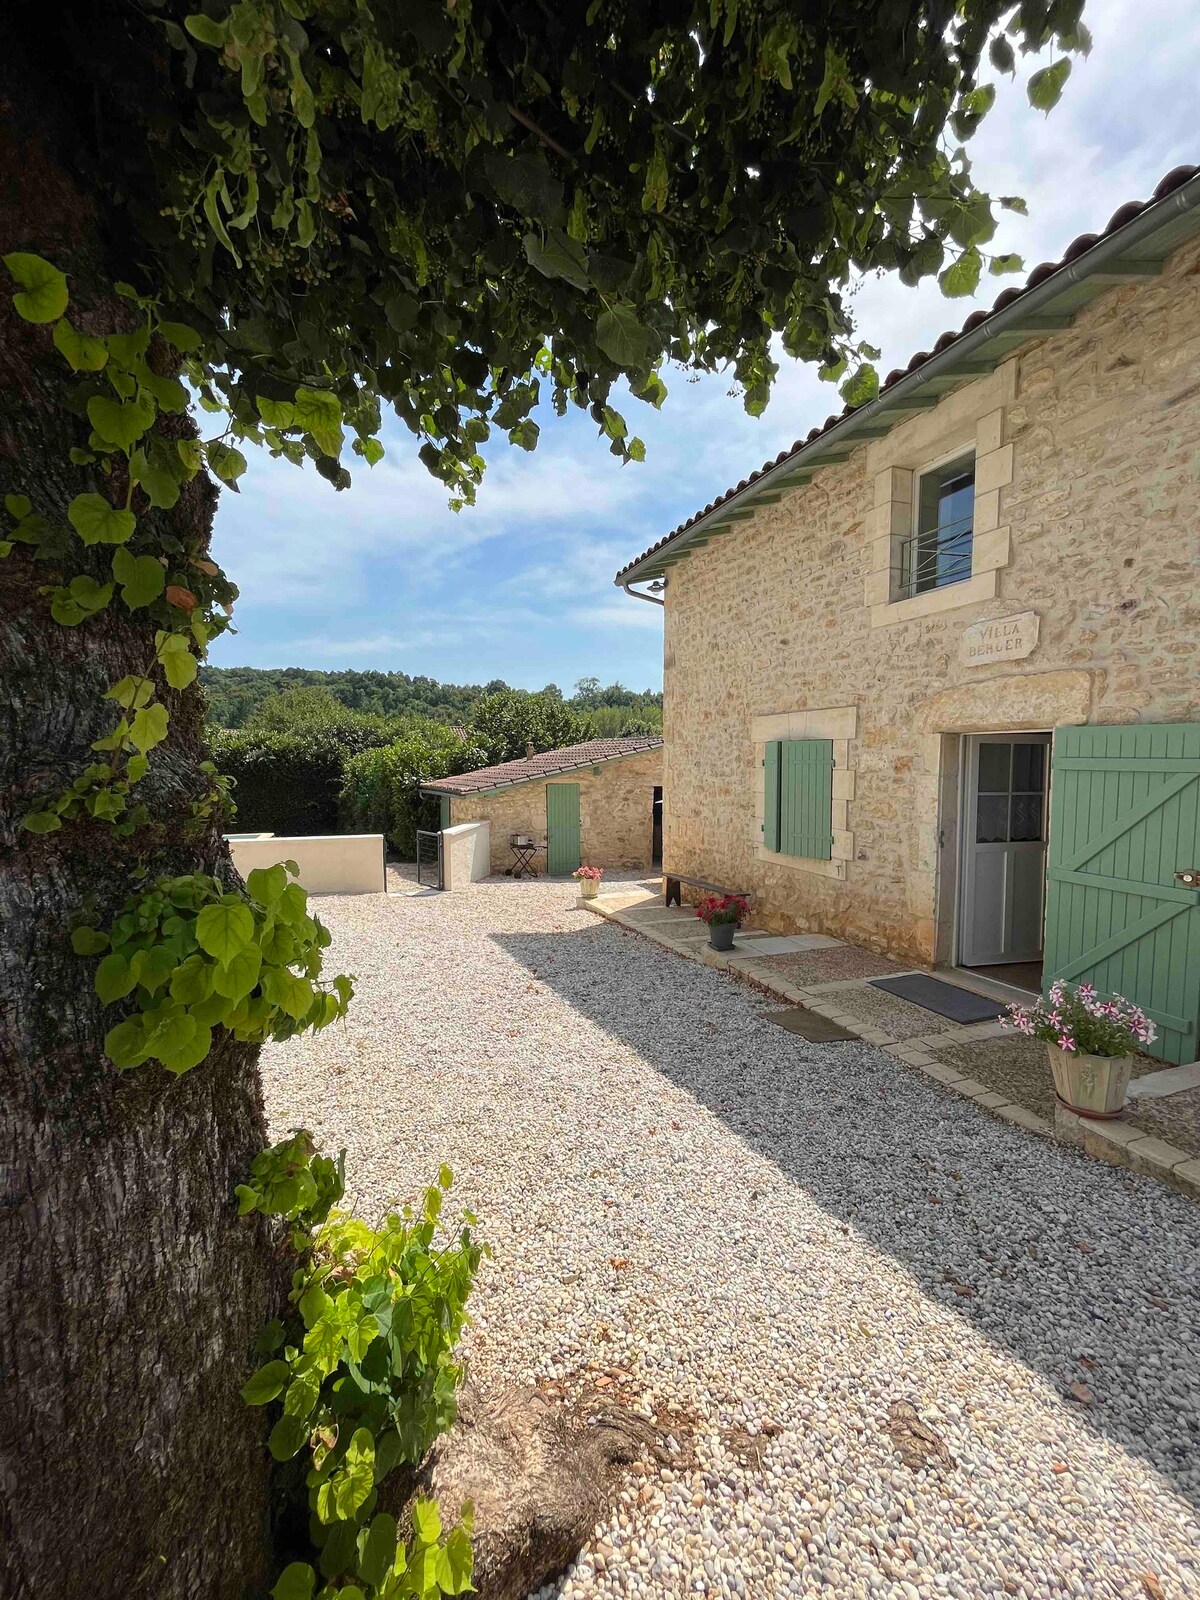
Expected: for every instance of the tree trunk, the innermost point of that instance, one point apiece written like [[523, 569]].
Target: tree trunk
[[129, 1291]]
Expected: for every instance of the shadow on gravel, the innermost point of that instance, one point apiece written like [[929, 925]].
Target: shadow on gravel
[[1086, 1274]]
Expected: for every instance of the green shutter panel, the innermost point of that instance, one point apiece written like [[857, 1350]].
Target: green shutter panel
[[806, 799], [444, 818], [562, 828], [771, 771]]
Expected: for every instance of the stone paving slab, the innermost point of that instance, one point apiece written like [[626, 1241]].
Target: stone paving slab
[[979, 1061]]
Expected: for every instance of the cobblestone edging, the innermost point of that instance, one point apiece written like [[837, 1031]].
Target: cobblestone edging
[[1117, 1142]]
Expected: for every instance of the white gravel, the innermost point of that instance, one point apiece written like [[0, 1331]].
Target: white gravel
[[737, 1227]]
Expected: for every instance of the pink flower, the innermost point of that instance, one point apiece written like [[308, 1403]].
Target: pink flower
[[1065, 1042]]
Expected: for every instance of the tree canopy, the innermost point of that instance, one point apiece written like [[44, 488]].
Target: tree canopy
[[461, 208]]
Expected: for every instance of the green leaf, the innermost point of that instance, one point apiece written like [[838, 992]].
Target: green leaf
[[142, 578], [236, 977], [190, 454], [962, 276], [427, 1523], [266, 1383], [226, 462], [181, 336], [224, 929], [88, 941], [44, 287], [624, 340], [18, 505], [319, 414], [1045, 87], [114, 978], [377, 1546], [169, 392], [355, 1478], [192, 981], [42, 821], [371, 450], [287, 1436], [284, 989], [96, 522], [456, 1564], [81, 351], [296, 1582], [125, 1045], [82, 598], [1001, 55], [206, 30], [152, 967], [266, 884], [121, 422], [1008, 263], [131, 693], [276, 413], [149, 727], [557, 255], [180, 1042], [177, 661]]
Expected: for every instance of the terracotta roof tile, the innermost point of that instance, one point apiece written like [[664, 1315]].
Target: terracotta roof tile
[[1079, 246], [550, 762]]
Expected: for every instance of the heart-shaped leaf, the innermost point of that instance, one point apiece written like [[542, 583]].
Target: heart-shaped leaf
[[43, 296]]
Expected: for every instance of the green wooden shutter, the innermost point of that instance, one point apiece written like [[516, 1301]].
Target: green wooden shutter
[[806, 798], [444, 818], [771, 770], [1124, 819], [562, 828]]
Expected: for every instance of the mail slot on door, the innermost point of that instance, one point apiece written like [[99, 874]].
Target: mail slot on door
[[1189, 877]]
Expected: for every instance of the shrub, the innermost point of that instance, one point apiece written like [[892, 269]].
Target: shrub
[[381, 793], [290, 782], [505, 723]]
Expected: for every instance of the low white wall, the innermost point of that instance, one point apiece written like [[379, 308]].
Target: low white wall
[[466, 854], [336, 863]]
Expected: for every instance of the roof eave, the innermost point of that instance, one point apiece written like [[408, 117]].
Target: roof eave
[[1132, 253], [539, 777]]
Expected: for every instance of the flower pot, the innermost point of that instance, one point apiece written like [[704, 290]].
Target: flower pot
[[720, 935], [589, 888], [1091, 1086]]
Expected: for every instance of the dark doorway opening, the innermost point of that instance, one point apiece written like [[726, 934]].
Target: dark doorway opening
[[656, 831]]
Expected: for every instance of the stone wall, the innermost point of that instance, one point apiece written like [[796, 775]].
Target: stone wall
[[616, 821], [1088, 509]]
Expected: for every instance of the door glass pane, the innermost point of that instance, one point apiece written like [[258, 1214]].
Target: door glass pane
[[1029, 768], [991, 819], [994, 765], [1026, 817]]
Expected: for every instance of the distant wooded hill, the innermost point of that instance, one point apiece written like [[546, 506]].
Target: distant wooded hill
[[234, 693]]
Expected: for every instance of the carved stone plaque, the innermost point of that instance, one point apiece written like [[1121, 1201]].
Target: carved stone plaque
[[999, 639]]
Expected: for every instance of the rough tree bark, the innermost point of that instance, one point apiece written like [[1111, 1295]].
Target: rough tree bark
[[129, 1292]]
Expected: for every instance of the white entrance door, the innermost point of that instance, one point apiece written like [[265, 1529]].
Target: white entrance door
[[1002, 904]]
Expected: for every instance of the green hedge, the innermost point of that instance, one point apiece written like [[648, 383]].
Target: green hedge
[[290, 783], [381, 791]]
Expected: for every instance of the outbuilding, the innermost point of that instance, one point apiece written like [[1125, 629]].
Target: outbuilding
[[597, 804]]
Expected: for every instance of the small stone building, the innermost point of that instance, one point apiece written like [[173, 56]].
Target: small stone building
[[596, 804], [958, 719]]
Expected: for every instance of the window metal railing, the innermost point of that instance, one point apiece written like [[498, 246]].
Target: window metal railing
[[936, 557]]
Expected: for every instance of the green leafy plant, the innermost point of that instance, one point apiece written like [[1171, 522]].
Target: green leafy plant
[[196, 956], [364, 1374]]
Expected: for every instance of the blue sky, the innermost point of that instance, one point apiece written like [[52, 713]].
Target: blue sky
[[520, 587]]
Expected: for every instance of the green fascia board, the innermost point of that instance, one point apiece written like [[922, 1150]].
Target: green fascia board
[[1134, 253]]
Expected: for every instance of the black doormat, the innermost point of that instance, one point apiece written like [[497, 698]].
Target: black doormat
[[944, 999], [810, 1025]]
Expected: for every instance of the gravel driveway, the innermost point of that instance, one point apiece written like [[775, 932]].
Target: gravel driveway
[[771, 1244]]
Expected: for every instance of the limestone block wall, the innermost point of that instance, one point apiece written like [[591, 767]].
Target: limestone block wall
[[1088, 506], [615, 811]]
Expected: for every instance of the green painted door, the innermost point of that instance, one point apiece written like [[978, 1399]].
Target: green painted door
[[562, 828], [444, 813], [1124, 820]]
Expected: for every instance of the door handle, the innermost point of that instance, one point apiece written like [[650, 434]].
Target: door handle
[[1189, 877]]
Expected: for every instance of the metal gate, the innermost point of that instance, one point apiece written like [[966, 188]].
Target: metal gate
[[1124, 830], [429, 859]]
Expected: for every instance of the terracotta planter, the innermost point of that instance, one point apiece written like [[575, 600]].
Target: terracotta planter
[[720, 935], [1092, 1086], [589, 888]]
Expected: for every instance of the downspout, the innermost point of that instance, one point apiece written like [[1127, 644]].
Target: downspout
[[638, 595]]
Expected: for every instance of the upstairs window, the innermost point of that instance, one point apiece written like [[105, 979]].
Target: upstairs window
[[938, 553]]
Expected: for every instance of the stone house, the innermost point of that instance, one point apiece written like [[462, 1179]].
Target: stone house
[[597, 804], [961, 721]]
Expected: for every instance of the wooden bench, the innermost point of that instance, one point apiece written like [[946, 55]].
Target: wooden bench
[[674, 881]]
